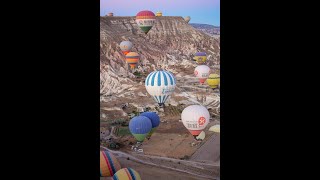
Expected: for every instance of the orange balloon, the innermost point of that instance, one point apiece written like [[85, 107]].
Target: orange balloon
[[132, 59]]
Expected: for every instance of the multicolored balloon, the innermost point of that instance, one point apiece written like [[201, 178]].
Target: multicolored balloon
[[187, 19], [159, 14], [202, 73], [126, 174], [195, 118], [125, 47], [132, 59], [145, 20], [213, 80], [109, 165], [155, 121], [160, 85], [200, 57], [139, 127]]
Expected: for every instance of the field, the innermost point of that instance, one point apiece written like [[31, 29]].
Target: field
[[122, 131]]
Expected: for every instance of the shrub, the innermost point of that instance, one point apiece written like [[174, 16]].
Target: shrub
[[186, 157], [137, 74]]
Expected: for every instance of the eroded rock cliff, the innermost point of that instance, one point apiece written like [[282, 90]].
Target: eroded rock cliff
[[170, 44]]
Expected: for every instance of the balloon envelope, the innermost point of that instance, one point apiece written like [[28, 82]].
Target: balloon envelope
[[213, 80], [160, 85], [132, 59], [127, 174], [126, 46], [202, 73], [159, 13], [195, 118], [215, 128], [139, 127], [200, 57], [155, 121], [145, 20], [201, 136], [109, 165]]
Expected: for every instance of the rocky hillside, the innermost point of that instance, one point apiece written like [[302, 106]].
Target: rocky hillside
[[209, 29], [170, 44]]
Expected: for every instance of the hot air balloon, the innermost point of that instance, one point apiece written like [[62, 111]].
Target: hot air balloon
[[155, 121], [109, 165], [159, 13], [202, 73], [145, 20], [195, 118], [110, 14], [215, 128], [201, 136], [127, 174], [139, 127], [160, 85], [125, 47], [187, 19], [213, 80], [132, 59], [200, 57]]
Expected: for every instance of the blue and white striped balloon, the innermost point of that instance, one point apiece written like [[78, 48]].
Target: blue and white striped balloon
[[160, 85]]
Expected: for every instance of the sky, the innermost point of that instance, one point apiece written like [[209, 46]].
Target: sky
[[200, 11]]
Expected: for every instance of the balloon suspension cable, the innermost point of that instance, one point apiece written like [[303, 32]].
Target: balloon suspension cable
[[139, 144], [162, 106]]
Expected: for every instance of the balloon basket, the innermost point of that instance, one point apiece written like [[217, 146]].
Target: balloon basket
[[137, 147], [196, 143], [161, 105]]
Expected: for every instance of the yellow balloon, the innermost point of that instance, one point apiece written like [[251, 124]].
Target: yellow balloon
[[159, 13], [200, 57], [215, 128], [213, 80]]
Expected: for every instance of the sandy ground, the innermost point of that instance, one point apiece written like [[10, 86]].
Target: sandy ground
[[169, 145], [172, 140]]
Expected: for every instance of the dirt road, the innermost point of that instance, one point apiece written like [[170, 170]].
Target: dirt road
[[210, 151]]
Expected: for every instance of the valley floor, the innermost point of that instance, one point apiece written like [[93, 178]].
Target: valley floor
[[203, 165], [171, 142]]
